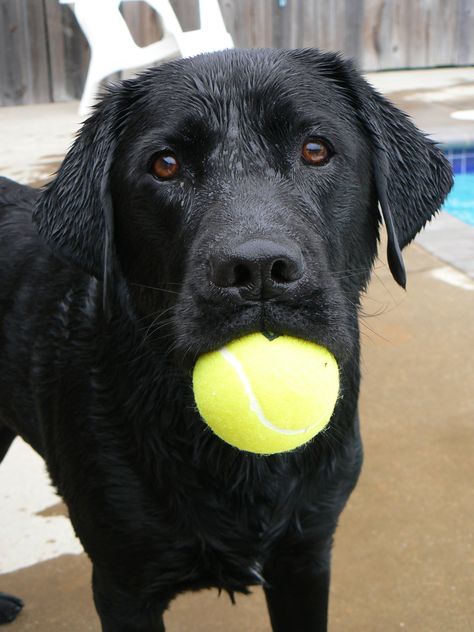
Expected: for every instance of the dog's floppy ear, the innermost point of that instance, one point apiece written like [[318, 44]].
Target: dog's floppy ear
[[74, 213], [412, 175]]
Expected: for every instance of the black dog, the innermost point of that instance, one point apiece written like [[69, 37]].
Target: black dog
[[205, 199]]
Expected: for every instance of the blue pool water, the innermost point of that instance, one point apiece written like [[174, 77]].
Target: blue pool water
[[460, 202]]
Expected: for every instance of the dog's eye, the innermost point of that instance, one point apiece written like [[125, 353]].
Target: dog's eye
[[165, 166], [315, 152]]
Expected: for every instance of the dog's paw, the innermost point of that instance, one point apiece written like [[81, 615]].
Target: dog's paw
[[10, 606]]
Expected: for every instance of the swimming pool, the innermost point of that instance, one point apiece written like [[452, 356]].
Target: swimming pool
[[460, 202]]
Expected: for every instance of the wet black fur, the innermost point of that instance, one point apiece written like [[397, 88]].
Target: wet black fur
[[105, 310]]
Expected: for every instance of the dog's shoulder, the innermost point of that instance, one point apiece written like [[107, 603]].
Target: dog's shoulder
[[16, 196]]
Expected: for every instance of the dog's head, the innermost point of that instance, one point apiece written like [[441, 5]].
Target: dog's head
[[240, 191]]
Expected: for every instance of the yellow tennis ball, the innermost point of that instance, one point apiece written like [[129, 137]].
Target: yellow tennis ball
[[266, 396]]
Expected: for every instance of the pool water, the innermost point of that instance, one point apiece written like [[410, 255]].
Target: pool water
[[460, 201]]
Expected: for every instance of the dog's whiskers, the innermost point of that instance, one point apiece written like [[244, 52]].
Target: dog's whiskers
[[156, 289]]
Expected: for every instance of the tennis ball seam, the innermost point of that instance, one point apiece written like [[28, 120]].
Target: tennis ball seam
[[254, 403]]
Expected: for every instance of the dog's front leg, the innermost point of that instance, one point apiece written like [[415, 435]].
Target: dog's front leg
[[297, 590], [122, 611]]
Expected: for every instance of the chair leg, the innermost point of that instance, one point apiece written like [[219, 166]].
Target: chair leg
[[91, 89]]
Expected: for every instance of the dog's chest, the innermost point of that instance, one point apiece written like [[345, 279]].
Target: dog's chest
[[221, 538]]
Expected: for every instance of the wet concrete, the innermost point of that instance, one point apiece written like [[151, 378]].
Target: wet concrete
[[34, 139], [430, 97], [404, 553]]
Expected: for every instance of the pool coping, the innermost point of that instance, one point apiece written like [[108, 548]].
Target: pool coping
[[447, 237], [451, 240]]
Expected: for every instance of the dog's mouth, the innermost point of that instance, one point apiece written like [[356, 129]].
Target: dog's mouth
[[211, 330]]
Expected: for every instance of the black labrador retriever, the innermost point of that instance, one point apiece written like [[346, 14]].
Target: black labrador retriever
[[203, 200]]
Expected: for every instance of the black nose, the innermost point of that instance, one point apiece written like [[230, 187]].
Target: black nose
[[258, 269]]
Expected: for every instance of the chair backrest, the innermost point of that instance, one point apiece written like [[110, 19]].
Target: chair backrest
[[102, 23], [113, 46], [210, 16]]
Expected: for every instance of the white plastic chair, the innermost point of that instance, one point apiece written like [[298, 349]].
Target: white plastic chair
[[113, 48], [211, 36]]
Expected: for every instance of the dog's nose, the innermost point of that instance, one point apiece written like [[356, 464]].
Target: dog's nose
[[258, 268]]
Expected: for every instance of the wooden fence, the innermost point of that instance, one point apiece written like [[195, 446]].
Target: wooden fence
[[44, 55]]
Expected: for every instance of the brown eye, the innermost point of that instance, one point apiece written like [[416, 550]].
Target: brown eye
[[315, 152], [165, 166]]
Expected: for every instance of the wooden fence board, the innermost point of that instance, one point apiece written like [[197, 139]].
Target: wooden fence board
[[260, 24], [307, 21], [443, 20], [143, 22], [57, 50], [465, 33], [24, 65], [44, 55], [240, 21], [77, 53], [39, 84], [417, 50], [385, 32], [9, 92], [14, 60], [68, 51], [353, 28], [280, 26], [187, 12]]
